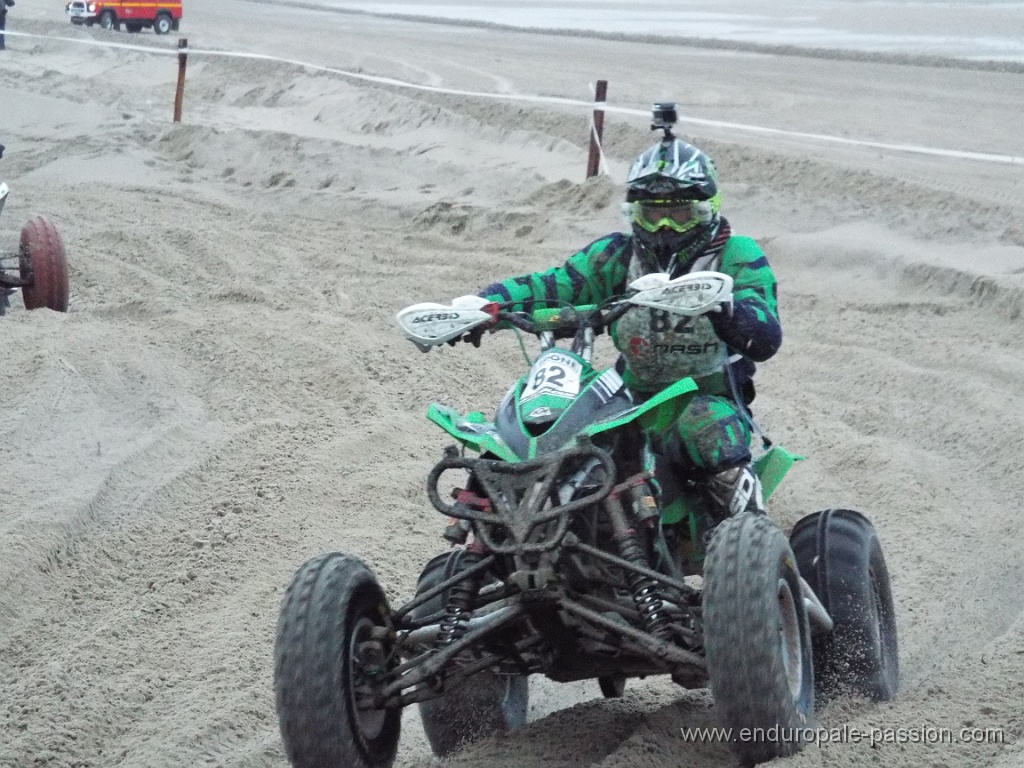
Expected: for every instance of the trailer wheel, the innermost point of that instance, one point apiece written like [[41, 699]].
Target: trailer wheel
[[43, 262]]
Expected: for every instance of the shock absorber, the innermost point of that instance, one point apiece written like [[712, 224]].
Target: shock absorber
[[458, 610], [645, 589]]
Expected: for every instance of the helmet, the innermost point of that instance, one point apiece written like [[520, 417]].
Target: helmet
[[672, 202]]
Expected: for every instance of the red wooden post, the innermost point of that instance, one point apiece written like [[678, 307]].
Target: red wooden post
[[597, 131], [180, 92]]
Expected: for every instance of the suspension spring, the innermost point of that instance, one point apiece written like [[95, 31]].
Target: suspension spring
[[645, 589], [459, 608]]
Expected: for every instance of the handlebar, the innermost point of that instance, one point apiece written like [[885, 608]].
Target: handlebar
[[563, 322], [429, 324]]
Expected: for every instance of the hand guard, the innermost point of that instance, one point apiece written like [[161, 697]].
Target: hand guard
[[473, 336], [428, 325], [692, 294]]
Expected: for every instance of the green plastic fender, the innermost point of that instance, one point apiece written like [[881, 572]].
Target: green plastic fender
[[481, 441], [656, 414], [772, 466]]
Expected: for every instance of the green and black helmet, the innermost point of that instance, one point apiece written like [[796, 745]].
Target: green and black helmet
[[672, 202]]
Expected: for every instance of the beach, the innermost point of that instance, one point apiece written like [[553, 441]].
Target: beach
[[229, 395]]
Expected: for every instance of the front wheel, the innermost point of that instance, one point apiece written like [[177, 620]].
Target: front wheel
[[162, 24], [109, 21], [328, 659], [485, 703], [43, 262], [757, 639], [839, 555]]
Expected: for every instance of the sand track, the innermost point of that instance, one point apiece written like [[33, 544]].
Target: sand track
[[227, 396]]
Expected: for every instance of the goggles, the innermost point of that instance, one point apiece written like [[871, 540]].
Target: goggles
[[677, 215]]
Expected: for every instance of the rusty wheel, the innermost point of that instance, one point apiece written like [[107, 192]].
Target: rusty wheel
[[44, 265]]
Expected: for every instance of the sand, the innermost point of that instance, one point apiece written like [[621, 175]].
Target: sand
[[228, 394]]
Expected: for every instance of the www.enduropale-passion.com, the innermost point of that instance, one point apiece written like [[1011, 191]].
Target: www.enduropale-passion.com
[[850, 735]]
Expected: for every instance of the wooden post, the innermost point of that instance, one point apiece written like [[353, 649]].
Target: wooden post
[[597, 131], [180, 92]]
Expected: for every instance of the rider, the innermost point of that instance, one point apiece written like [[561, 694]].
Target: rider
[[673, 202]]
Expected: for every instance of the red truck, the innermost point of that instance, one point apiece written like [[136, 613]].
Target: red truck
[[161, 15]]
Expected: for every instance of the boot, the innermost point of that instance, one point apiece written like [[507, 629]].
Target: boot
[[734, 491]]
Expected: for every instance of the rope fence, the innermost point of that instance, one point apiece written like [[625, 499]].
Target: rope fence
[[598, 107]]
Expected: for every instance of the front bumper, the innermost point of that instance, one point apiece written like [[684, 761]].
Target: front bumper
[[79, 15]]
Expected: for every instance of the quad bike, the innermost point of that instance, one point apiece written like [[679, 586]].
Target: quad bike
[[40, 267], [574, 557]]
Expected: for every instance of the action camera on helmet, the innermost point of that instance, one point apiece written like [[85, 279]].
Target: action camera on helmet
[[664, 116]]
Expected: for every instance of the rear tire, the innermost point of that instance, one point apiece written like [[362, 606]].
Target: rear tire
[[322, 651], [485, 703], [162, 25], [43, 260], [839, 555], [757, 639]]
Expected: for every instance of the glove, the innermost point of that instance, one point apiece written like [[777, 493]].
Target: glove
[[472, 337]]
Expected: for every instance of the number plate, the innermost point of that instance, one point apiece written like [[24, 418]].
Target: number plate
[[554, 373]]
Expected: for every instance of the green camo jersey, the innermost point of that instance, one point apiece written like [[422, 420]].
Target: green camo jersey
[[657, 348]]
